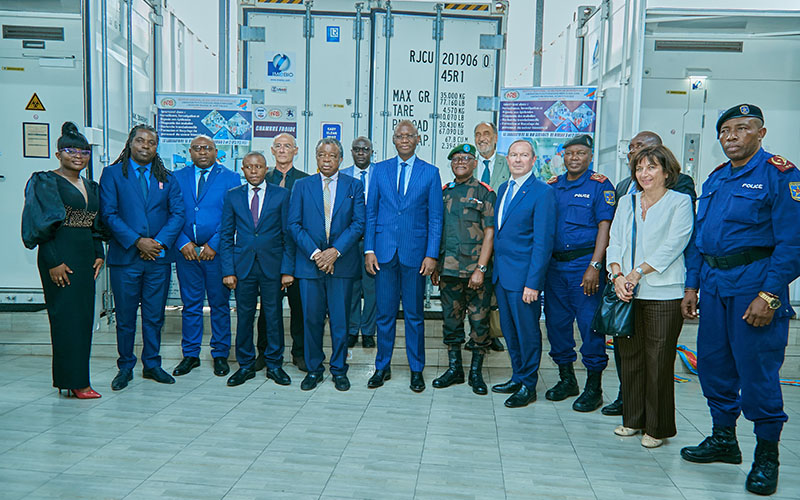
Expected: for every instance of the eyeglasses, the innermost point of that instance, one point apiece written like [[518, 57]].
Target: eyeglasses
[[86, 153], [197, 149], [357, 149], [327, 156], [462, 159], [405, 137]]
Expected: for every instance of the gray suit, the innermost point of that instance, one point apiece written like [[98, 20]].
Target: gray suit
[[500, 172]]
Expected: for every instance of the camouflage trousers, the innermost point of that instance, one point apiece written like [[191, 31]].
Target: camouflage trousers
[[459, 300]]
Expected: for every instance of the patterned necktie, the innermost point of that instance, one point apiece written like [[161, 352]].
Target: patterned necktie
[[401, 184], [143, 181], [201, 182], [507, 201], [487, 176], [364, 182], [283, 179], [326, 201], [254, 205]]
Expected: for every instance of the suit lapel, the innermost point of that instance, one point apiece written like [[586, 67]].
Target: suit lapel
[[413, 180], [342, 186], [267, 196], [319, 201], [393, 179], [133, 180], [520, 193], [211, 176]]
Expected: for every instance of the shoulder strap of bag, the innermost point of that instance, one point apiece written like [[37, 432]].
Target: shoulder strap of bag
[[633, 243]]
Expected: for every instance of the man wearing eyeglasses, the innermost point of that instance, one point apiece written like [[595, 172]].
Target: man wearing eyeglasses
[[401, 245], [203, 184], [284, 149], [362, 317]]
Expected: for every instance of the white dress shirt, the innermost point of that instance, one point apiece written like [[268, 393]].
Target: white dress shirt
[[517, 184], [261, 193], [482, 166]]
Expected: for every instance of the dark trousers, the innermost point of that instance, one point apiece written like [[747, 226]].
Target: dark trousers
[[459, 300], [326, 296], [362, 317], [248, 290], [520, 323], [648, 365], [145, 283], [738, 365], [295, 323]]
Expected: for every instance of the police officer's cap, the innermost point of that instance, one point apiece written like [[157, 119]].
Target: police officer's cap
[[462, 148], [580, 140], [739, 111]]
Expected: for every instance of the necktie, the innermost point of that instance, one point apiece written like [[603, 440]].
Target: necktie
[[283, 179], [364, 182], [326, 201], [487, 176], [143, 181], [401, 184], [254, 205], [507, 201], [201, 182]]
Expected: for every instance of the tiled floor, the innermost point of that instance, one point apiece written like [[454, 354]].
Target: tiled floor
[[200, 439]]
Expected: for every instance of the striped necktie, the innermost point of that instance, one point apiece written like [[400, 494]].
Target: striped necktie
[[326, 200]]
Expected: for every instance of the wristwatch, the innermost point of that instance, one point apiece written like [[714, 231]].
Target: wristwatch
[[482, 269], [640, 271], [771, 300], [596, 265]]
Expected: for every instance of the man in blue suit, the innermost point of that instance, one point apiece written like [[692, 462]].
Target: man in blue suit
[[326, 221], [523, 243], [141, 204], [203, 185], [401, 243], [257, 261], [362, 318]]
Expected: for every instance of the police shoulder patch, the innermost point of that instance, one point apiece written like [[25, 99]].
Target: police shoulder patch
[[486, 186], [552, 180], [794, 190], [719, 167], [781, 163], [610, 197], [598, 177]]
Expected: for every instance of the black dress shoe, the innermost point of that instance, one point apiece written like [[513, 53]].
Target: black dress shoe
[[497, 345], [379, 377], [341, 382], [352, 340], [241, 376], [311, 381], [613, 409], [279, 376], [300, 363], [417, 382], [367, 341], [509, 387], [158, 374], [121, 380], [221, 367], [523, 397], [260, 363], [186, 365]]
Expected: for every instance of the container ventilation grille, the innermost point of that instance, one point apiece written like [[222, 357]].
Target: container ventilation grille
[[698, 46], [16, 32]]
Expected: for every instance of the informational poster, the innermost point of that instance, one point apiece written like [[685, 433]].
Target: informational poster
[[548, 116], [273, 120], [227, 119], [35, 140]]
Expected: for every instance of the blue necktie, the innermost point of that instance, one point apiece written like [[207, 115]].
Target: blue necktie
[[507, 201], [143, 181], [201, 183], [364, 181], [401, 184], [487, 176]]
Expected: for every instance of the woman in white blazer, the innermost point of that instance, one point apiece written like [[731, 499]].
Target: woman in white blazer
[[655, 283]]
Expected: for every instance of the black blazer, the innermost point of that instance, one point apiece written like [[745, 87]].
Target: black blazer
[[274, 177]]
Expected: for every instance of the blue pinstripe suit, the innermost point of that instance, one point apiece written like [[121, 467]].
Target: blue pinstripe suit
[[403, 229]]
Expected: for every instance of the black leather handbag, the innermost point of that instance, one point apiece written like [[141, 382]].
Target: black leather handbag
[[613, 316]]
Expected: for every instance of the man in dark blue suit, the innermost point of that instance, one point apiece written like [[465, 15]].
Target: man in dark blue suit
[[523, 243], [257, 261], [401, 243], [326, 221], [203, 184], [141, 204]]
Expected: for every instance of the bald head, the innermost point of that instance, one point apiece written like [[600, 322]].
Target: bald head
[[641, 140]]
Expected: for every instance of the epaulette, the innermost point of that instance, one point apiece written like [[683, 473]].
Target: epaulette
[[486, 186], [781, 163], [719, 167], [552, 180], [449, 185], [444, 186], [598, 177]]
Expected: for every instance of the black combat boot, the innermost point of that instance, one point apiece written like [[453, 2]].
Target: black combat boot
[[567, 385], [763, 477], [475, 374], [455, 370], [720, 446], [592, 397]]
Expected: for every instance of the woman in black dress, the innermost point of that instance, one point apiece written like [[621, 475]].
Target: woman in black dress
[[60, 216]]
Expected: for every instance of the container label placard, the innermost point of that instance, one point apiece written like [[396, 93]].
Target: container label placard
[[548, 116], [274, 120], [280, 66]]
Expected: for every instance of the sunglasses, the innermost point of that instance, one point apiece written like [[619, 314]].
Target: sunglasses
[[74, 152]]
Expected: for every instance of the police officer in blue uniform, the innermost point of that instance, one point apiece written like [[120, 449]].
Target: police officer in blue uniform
[[586, 202], [749, 246]]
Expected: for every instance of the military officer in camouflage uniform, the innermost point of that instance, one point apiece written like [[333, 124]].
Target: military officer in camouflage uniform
[[466, 250]]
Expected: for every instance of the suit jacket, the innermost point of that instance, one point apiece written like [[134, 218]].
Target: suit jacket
[[203, 212], [500, 173], [129, 216], [409, 225], [274, 177], [307, 225], [242, 243], [523, 242]]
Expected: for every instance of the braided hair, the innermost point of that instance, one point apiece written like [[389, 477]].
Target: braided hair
[[160, 171]]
